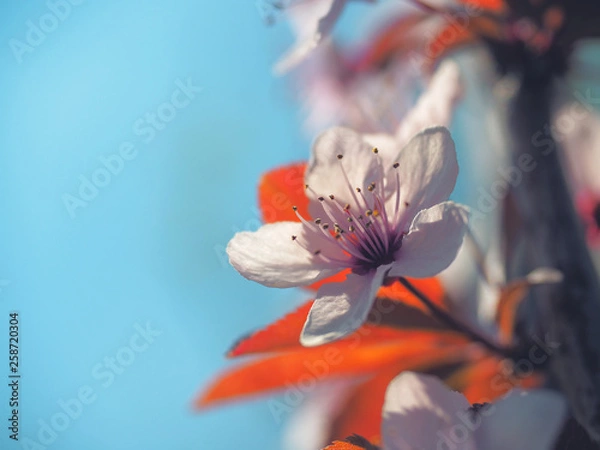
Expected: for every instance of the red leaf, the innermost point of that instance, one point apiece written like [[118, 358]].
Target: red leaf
[[353, 356], [387, 321], [279, 190]]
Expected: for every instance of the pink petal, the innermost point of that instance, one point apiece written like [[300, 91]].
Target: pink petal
[[417, 411], [341, 308], [313, 21], [270, 257], [522, 421], [433, 241], [324, 174], [436, 104], [428, 169]]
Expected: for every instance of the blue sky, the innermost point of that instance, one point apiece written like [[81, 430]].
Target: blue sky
[[87, 269], [133, 135]]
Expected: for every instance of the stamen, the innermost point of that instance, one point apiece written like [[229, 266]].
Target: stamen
[[302, 219]]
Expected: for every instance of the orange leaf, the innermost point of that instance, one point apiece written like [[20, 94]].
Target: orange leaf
[[490, 5], [402, 315], [281, 335], [448, 38], [396, 38], [430, 287], [511, 297], [361, 412], [349, 357], [279, 190], [339, 445], [354, 442], [489, 379]]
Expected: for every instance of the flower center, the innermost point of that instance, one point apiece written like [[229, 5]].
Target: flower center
[[360, 234]]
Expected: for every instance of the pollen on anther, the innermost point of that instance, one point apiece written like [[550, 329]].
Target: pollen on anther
[[347, 207], [369, 213], [396, 165], [306, 186], [358, 190], [371, 187], [375, 150]]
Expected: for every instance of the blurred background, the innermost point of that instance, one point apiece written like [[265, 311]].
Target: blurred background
[[133, 136], [87, 268]]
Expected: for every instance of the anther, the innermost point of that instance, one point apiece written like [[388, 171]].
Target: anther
[[396, 165], [317, 252], [368, 212], [406, 204], [351, 229], [294, 237], [332, 197], [347, 207], [318, 221], [295, 208], [371, 187], [375, 150], [358, 190], [325, 226], [321, 199], [340, 156]]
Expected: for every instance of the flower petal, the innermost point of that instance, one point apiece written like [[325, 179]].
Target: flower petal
[[325, 174], [341, 308], [433, 241], [269, 256], [436, 104], [529, 420], [428, 169], [313, 20], [416, 410]]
